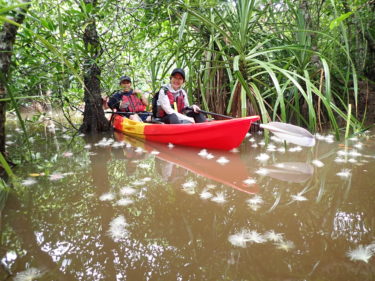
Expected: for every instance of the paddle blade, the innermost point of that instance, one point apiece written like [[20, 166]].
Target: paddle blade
[[290, 133]]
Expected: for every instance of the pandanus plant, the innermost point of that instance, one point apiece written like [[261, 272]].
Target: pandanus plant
[[271, 69]]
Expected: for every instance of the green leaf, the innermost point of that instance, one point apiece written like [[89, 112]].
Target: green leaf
[[336, 22]]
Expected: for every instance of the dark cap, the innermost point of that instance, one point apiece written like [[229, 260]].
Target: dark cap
[[180, 71], [125, 78]]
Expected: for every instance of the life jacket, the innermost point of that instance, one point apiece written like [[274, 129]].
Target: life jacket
[[178, 99], [132, 104]]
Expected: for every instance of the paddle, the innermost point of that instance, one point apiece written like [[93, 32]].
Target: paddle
[[286, 132], [128, 113]]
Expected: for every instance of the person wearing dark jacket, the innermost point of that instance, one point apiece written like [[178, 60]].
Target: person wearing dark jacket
[[129, 100]]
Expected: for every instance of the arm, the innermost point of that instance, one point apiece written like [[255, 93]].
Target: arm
[[163, 101], [114, 101], [142, 97]]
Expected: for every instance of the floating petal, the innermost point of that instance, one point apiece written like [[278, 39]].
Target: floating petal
[[28, 182], [318, 163], [273, 236], [362, 253], [29, 274], [219, 198], [262, 157], [108, 196], [249, 181], [222, 160], [344, 173], [124, 202]]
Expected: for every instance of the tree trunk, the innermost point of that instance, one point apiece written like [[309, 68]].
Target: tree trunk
[[94, 120], [8, 35]]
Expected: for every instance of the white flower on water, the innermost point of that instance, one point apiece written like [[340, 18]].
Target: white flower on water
[[254, 145], [56, 176], [108, 196], [339, 160], [238, 239], [222, 160], [271, 147], [210, 156], [28, 182], [117, 228], [210, 186], [361, 253], [344, 173], [262, 157], [353, 139], [124, 202], [342, 153], [319, 136], [256, 200], [118, 144], [155, 152], [144, 166], [139, 150], [295, 149], [251, 140], [298, 197], [352, 160], [247, 135], [203, 153], [189, 187], [104, 142], [138, 182], [249, 181], [128, 145], [262, 171], [219, 198], [127, 190], [358, 145], [170, 145], [205, 194], [281, 149], [234, 150], [354, 153], [254, 207], [285, 245], [254, 237], [189, 184], [262, 143], [329, 139], [271, 235], [318, 163], [29, 274]]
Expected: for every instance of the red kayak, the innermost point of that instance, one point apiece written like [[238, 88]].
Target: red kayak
[[221, 134]]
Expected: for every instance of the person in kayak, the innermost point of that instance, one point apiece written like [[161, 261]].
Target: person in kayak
[[173, 105], [129, 100]]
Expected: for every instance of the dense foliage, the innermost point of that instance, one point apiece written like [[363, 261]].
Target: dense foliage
[[296, 61]]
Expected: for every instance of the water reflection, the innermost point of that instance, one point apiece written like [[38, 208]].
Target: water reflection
[[221, 166], [123, 209], [290, 171]]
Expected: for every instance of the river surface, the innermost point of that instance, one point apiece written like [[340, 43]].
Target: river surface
[[117, 208]]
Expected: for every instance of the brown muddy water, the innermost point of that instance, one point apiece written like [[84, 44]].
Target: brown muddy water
[[116, 208]]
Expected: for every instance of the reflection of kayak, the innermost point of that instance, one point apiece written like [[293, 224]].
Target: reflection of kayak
[[223, 134], [233, 173]]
